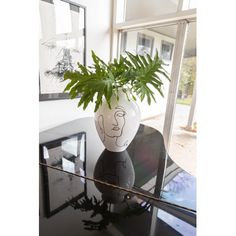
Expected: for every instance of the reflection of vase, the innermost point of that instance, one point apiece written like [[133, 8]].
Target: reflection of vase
[[115, 168], [117, 126]]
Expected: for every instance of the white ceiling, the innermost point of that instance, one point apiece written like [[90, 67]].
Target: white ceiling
[[170, 31]]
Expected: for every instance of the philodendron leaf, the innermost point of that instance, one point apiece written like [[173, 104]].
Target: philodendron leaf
[[102, 80], [70, 85]]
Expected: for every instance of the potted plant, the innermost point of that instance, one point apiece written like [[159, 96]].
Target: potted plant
[[115, 87]]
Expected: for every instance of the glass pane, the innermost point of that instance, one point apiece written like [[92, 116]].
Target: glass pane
[[179, 182], [147, 41], [81, 19], [76, 147], [137, 9], [63, 17], [183, 140], [71, 205]]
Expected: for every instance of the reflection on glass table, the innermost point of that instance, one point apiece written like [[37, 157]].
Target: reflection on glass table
[[117, 169], [179, 187], [92, 214], [67, 154], [169, 181], [145, 167]]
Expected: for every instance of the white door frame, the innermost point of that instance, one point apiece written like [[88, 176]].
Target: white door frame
[[175, 78]]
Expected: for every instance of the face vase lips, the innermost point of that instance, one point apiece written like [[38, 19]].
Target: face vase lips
[[116, 128]]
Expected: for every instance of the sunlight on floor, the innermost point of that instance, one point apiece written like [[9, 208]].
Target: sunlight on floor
[[183, 142]]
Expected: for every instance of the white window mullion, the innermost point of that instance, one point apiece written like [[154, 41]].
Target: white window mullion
[[162, 20], [118, 41], [175, 77], [192, 108]]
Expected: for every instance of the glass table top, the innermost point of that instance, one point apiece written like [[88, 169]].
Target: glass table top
[[86, 188]]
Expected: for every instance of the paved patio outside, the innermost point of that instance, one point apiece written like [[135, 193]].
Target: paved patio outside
[[183, 143]]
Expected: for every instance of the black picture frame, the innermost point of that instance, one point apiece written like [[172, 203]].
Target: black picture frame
[[166, 50], [55, 181], [55, 58]]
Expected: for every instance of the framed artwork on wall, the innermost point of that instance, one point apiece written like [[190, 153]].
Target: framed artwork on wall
[[144, 44], [62, 44], [166, 50], [68, 154]]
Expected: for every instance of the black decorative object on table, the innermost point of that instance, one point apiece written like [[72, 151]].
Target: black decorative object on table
[[103, 208]]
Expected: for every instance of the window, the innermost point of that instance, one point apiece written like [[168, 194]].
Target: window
[[144, 44], [182, 147], [162, 26], [147, 41], [166, 50]]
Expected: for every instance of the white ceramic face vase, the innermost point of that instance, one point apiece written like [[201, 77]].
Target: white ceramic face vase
[[117, 127]]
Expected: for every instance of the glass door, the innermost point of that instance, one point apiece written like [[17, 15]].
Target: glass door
[[182, 144], [147, 41]]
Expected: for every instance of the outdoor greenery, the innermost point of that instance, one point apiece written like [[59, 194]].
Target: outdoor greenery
[[187, 80], [139, 75], [184, 101]]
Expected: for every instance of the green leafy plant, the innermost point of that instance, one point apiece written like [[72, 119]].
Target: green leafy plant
[[133, 73]]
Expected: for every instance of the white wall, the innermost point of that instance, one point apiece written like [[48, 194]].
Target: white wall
[[160, 106], [53, 113]]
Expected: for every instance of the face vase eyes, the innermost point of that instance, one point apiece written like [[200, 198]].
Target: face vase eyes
[[120, 113]]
